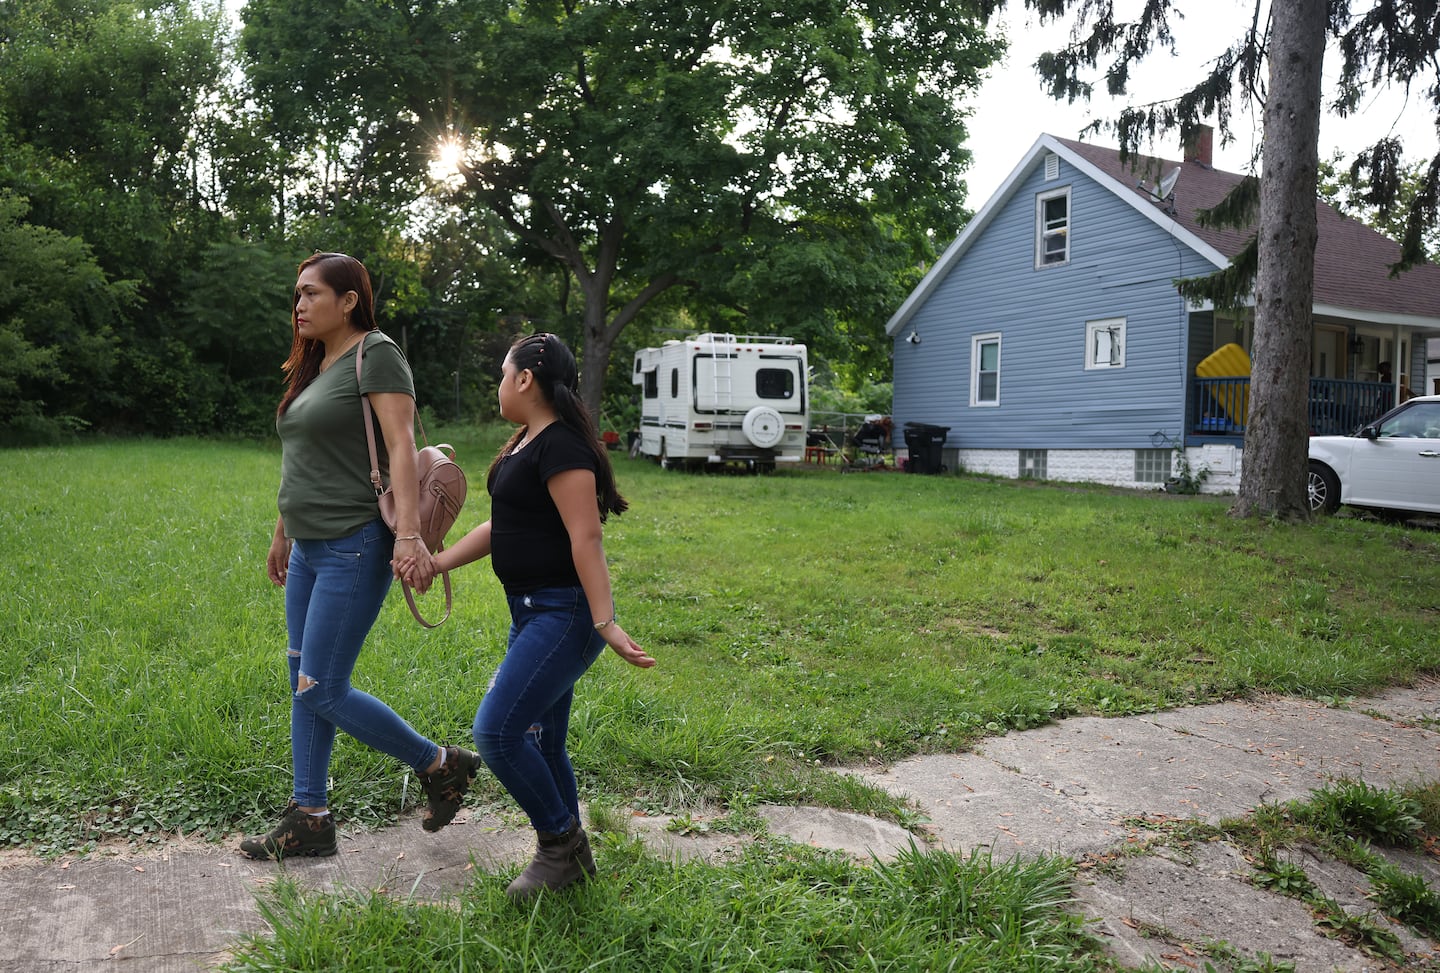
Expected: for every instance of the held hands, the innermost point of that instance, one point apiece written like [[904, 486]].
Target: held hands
[[624, 646], [413, 563]]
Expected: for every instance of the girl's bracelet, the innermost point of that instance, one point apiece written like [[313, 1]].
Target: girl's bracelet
[[601, 626], [410, 537]]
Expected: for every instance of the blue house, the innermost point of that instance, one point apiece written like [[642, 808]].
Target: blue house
[[1051, 341]]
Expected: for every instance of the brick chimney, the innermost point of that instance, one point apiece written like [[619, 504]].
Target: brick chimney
[[1201, 146]]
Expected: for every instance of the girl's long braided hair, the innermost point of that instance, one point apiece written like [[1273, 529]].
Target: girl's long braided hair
[[552, 363]]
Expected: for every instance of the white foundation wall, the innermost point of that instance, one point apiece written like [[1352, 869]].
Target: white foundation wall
[[1111, 467]]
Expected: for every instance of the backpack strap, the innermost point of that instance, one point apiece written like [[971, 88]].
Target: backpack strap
[[379, 487]]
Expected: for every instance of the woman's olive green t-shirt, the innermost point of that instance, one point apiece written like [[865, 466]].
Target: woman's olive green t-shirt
[[325, 489]]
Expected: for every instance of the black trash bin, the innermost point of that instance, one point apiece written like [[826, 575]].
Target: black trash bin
[[925, 443]]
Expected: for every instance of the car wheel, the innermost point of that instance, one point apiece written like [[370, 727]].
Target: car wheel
[[1323, 487]]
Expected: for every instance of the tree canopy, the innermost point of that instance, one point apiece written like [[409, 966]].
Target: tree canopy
[[784, 164]]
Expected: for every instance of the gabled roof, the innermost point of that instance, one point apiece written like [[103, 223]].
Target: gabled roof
[[1352, 261]]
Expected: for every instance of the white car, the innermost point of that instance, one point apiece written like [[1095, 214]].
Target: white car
[[1391, 465]]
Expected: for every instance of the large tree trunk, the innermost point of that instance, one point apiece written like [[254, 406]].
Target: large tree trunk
[[596, 360], [1272, 480]]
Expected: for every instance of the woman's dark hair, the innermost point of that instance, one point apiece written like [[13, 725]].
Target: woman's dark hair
[[341, 273], [552, 363]]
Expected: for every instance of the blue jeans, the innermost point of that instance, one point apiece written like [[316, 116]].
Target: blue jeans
[[333, 595], [521, 725]]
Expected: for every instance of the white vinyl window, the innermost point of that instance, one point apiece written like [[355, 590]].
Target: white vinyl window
[[1105, 343], [1052, 228], [985, 369]]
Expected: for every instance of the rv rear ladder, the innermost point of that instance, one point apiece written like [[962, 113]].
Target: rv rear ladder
[[720, 369]]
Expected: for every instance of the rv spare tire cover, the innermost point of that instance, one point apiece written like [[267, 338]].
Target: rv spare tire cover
[[763, 427]]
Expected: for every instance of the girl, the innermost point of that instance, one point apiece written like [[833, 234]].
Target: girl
[[551, 487], [333, 554]]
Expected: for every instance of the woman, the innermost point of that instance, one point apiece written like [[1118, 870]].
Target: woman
[[551, 488], [333, 554]]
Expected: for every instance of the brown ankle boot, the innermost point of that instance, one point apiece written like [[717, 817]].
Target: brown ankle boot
[[583, 855], [560, 860]]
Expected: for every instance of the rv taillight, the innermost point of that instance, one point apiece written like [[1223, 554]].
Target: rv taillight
[[793, 427], [703, 426]]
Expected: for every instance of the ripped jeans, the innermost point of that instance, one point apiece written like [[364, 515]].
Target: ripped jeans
[[522, 722], [333, 595]]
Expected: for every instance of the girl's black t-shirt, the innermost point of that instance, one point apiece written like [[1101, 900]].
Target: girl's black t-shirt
[[529, 546]]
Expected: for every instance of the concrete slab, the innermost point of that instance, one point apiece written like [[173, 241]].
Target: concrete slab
[[973, 804], [823, 827], [1349, 888], [1417, 703], [177, 912], [1310, 744], [1170, 913], [1125, 768]]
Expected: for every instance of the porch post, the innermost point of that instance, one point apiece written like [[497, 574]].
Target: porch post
[[1399, 368]]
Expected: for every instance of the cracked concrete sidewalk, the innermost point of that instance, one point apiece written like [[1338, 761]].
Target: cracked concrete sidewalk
[[1080, 787]]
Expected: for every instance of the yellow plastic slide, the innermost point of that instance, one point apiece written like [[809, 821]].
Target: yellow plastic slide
[[1229, 361]]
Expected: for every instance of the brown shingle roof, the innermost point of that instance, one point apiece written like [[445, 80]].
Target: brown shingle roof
[[1352, 261]]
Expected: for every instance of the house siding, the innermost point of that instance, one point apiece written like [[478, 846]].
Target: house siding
[[1121, 266]]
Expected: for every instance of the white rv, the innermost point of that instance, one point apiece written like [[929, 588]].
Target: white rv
[[715, 399]]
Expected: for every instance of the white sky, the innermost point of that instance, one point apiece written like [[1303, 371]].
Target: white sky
[[1012, 110]]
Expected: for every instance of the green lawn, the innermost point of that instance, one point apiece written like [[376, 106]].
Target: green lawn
[[801, 621]]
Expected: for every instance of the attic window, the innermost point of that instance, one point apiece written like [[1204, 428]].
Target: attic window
[[1052, 167], [1052, 228]]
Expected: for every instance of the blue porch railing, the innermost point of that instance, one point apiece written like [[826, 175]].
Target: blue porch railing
[[1219, 406]]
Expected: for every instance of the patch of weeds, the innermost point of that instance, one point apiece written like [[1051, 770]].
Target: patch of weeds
[[1346, 820], [1358, 932], [1354, 808], [1427, 801], [1406, 897], [1232, 959], [688, 826], [738, 824], [1110, 865], [1173, 832], [1026, 716], [1282, 877], [1188, 478], [741, 821], [51, 819], [607, 818], [1266, 819], [1237, 962], [910, 817]]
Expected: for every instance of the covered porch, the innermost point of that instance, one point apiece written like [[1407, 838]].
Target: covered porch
[[1359, 370], [1337, 407]]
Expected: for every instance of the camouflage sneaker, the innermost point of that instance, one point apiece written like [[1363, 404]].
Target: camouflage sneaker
[[298, 834], [445, 789]]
